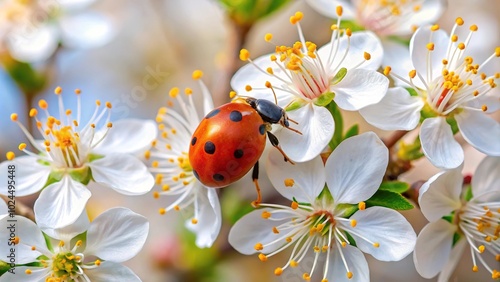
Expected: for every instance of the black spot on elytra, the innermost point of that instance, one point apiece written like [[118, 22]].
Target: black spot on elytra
[[218, 177], [262, 129], [209, 147], [212, 113], [193, 141], [238, 153], [235, 116], [196, 174]]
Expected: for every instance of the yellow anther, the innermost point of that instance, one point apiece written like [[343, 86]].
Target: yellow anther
[[78, 91], [97, 262], [109, 125], [188, 91], [266, 214], [289, 182], [473, 27], [294, 205], [349, 275], [417, 8], [14, 117], [316, 249], [61, 243], [262, 257], [435, 27], [344, 244], [15, 240], [174, 92], [162, 211], [22, 146], [232, 94], [273, 58], [412, 73], [334, 27], [348, 32], [367, 56], [288, 239], [33, 112], [268, 84], [484, 108], [43, 104], [497, 52], [258, 247], [461, 46], [339, 10], [497, 257], [10, 155], [306, 276], [270, 70], [387, 70], [475, 92], [248, 88], [197, 74], [268, 37], [27, 271], [324, 280], [244, 55], [156, 194], [445, 62], [275, 230], [475, 268], [459, 21], [294, 263], [430, 46], [58, 90], [454, 38], [376, 245], [68, 112], [108, 105], [481, 249], [353, 222], [33, 248], [177, 208], [194, 221], [320, 227], [299, 15], [278, 271], [362, 206]]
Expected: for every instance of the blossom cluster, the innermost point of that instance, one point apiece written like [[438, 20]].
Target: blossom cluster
[[338, 197]]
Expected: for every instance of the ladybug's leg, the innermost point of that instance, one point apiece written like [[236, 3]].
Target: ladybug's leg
[[255, 178], [276, 144]]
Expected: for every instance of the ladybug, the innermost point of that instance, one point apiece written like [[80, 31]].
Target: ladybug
[[231, 138]]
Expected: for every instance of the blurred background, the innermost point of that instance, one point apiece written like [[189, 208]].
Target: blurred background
[[163, 41]]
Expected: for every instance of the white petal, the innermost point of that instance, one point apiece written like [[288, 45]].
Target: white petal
[[69, 232], [360, 88], [316, 125], [386, 227], [86, 30], [433, 248], [117, 235], [429, 12], [128, 136], [439, 145], [38, 274], [61, 203], [124, 173], [486, 178], [30, 176], [398, 110], [356, 167], [111, 272], [480, 130], [490, 99], [33, 43], [419, 52], [309, 177], [73, 5], [360, 42], [440, 195], [328, 8], [208, 215], [252, 229], [355, 260], [397, 56], [3, 208], [29, 235], [455, 256]]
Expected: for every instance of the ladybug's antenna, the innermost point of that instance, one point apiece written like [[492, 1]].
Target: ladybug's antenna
[[268, 85]]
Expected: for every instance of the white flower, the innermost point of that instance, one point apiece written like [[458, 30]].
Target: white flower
[[32, 30], [306, 79], [173, 170], [385, 18], [113, 237], [476, 222], [3, 209], [74, 153], [321, 224], [449, 85]]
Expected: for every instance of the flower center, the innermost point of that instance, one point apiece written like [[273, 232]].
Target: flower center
[[383, 16], [65, 267]]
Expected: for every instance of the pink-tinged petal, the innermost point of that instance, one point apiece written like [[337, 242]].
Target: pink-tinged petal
[[397, 56], [486, 178], [61, 203], [316, 125], [425, 60], [30, 176], [33, 43], [109, 271], [86, 30], [433, 248], [398, 110], [117, 235], [38, 274], [69, 232], [429, 12], [354, 259], [308, 177], [455, 256], [328, 8], [440, 195], [128, 136], [439, 145], [29, 235], [386, 227], [124, 173], [480, 130], [360, 88], [253, 228], [356, 167], [209, 217], [360, 42]]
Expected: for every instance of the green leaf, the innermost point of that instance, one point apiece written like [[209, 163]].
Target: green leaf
[[453, 123], [4, 267], [247, 12], [410, 152], [412, 92], [394, 186], [24, 75], [353, 25], [339, 76], [324, 99], [339, 125], [456, 237], [350, 239], [390, 200], [296, 104], [234, 208], [468, 193], [353, 131]]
